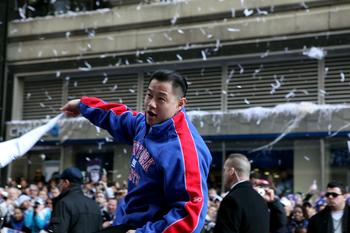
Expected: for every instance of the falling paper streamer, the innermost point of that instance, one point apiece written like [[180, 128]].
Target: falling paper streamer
[[17, 147]]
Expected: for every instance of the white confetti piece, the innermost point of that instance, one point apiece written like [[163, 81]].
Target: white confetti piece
[[180, 31], [290, 94], [233, 29], [179, 57], [204, 56], [241, 71], [86, 68], [115, 87], [248, 12], [316, 53], [233, 13], [217, 45]]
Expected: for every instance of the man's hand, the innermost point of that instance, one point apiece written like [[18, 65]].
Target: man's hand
[[131, 231], [71, 108], [269, 195]]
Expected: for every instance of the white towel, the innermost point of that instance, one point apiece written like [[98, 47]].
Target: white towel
[[14, 148]]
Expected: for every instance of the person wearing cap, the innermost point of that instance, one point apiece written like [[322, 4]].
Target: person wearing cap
[[37, 217], [242, 209], [73, 212], [335, 217], [167, 181]]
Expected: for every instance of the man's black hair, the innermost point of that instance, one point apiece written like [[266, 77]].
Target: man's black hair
[[177, 81], [337, 184]]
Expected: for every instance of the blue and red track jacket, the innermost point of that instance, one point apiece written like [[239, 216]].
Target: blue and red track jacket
[[167, 182]]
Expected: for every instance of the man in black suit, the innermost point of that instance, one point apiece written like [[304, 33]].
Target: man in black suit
[[242, 210], [335, 218]]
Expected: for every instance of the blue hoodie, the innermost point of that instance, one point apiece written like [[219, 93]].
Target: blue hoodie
[[169, 166]]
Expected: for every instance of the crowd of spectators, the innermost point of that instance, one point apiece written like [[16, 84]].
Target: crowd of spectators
[[27, 207], [40, 8], [289, 212]]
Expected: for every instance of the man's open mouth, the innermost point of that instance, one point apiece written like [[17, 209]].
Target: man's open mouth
[[151, 114]]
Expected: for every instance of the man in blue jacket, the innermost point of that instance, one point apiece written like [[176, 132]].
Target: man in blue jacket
[[167, 189]]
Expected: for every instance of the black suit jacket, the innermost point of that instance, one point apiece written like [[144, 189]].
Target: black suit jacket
[[242, 210], [322, 221]]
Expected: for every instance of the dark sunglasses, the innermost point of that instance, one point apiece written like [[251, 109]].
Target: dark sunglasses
[[335, 195]]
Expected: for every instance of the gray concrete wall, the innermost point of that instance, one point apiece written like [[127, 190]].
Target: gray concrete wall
[[241, 122], [154, 36]]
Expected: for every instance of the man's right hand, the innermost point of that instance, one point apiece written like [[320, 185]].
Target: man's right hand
[[71, 108], [269, 195]]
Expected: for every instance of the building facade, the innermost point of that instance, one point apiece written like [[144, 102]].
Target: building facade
[[236, 55]]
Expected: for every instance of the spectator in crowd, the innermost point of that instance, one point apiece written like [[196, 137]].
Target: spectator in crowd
[[7, 207], [72, 211], [39, 176], [242, 209], [335, 217], [33, 191], [288, 206], [108, 214], [170, 161], [16, 221], [24, 202], [298, 221], [310, 209], [101, 200], [278, 218], [213, 195], [210, 219], [55, 192], [38, 217], [321, 203]]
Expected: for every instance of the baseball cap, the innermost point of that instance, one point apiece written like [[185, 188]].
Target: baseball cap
[[39, 201], [72, 174], [21, 199]]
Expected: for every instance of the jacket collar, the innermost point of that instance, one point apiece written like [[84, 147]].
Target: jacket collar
[[75, 188], [243, 184], [161, 130]]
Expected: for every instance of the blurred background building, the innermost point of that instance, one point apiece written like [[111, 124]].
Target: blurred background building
[[235, 54]]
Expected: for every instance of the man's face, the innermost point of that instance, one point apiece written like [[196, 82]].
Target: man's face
[[161, 103], [112, 206], [228, 176], [335, 198], [63, 185]]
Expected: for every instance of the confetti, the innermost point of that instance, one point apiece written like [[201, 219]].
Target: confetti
[[248, 12], [233, 29], [204, 56], [313, 52], [179, 57], [180, 31]]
